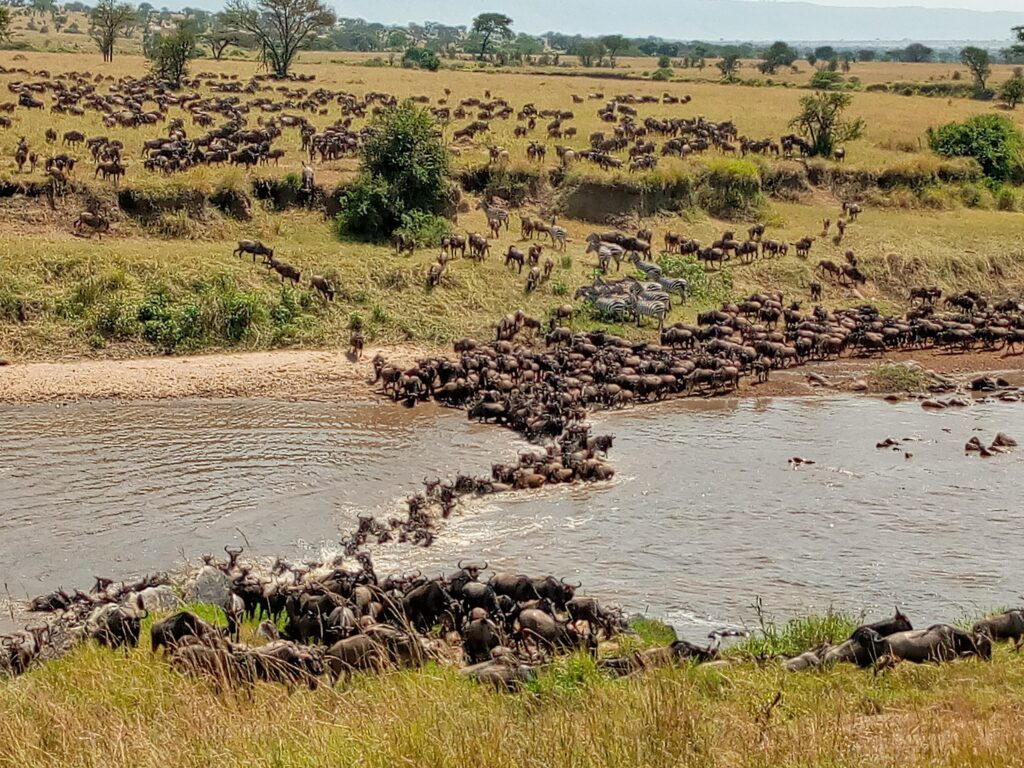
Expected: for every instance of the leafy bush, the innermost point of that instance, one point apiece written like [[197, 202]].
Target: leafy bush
[[993, 140], [662, 74], [405, 169], [426, 229], [421, 58], [825, 80]]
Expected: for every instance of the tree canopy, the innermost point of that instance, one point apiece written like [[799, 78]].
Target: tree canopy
[[279, 28], [110, 21], [492, 26], [170, 54], [823, 124], [979, 63], [780, 54], [729, 65]]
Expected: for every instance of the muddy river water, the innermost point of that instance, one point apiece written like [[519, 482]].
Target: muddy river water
[[705, 515]]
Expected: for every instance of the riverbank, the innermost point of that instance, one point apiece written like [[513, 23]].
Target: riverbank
[[104, 708], [333, 374]]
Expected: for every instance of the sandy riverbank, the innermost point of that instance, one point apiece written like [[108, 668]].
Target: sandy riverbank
[[320, 374]]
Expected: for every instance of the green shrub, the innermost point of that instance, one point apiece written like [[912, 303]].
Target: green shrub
[[1006, 200], [825, 80], [426, 229], [405, 168], [730, 188], [662, 74], [993, 140], [421, 58]]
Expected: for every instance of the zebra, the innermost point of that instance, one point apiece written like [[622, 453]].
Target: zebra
[[613, 307], [559, 236], [650, 292], [493, 212], [642, 308], [674, 285], [605, 253], [653, 271]]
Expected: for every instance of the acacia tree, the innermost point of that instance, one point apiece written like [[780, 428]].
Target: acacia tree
[[1011, 93], [729, 66], [979, 63], [171, 53], [110, 21], [492, 26], [589, 52], [822, 122], [780, 54], [279, 28], [614, 44], [219, 36], [1018, 48]]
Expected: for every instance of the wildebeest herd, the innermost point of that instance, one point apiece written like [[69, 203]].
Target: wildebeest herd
[[323, 620]]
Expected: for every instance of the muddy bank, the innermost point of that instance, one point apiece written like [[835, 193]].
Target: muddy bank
[[279, 375], [332, 374]]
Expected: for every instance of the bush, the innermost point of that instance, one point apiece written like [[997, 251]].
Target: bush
[[825, 80], [993, 140], [426, 229], [1006, 200], [405, 170], [421, 58], [662, 75]]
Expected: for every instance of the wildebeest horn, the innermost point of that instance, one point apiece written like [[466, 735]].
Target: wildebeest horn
[[459, 566], [484, 566], [233, 550]]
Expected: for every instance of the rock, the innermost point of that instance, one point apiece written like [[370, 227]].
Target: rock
[[1003, 440], [934, 404], [973, 445], [859, 385], [210, 586], [887, 443], [817, 380], [893, 398], [157, 599], [983, 384], [796, 461]]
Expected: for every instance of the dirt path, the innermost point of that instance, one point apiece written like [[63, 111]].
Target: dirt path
[[319, 375]]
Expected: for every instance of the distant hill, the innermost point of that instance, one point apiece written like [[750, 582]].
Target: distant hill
[[708, 19]]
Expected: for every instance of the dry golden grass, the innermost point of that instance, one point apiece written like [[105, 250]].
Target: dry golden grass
[[103, 709]]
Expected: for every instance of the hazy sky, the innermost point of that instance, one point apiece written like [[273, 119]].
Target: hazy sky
[[973, 5]]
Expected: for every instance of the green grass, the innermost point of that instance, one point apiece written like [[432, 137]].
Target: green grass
[[109, 709], [893, 377]]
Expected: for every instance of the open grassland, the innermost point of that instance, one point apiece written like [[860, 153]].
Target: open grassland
[[169, 282], [108, 709], [895, 124]]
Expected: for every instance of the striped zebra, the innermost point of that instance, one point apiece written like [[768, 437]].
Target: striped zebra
[[651, 292], [493, 212], [605, 253], [653, 271], [674, 285], [612, 307], [642, 308], [559, 237]]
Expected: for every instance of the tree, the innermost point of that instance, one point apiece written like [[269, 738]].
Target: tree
[[43, 6], [916, 53], [614, 44], [405, 174], [992, 140], [822, 122], [824, 53], [590, 52], [1018, 48], [219, 36], [780, 54], [417, 57], [5, 23], [492, 26], [279, 28], [110, 21], [1011, 93], [812, 59], [866, 54], [170, 53], [978, 61], [729, 66]]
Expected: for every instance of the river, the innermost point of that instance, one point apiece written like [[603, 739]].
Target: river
[[706, 513]]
